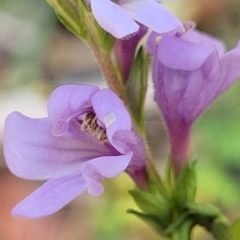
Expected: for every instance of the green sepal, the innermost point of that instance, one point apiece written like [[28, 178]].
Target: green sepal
[[203, 210], [235, 230], [136, 87], [151, 219], [156, 201], [220, 229], [176, 224], [147, 202], [102, 39], [169, 178], [185, 187], [67, 12], [203, 214], [155, 205], [184, 230]]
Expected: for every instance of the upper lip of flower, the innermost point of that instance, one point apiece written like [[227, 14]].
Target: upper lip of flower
[[118, 18], [193, 71]]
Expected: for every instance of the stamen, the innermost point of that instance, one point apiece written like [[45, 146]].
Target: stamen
[[90, 124]]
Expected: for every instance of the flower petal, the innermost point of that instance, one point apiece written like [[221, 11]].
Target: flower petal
[[152, 14], [201, 38], [203, 85], [184, 95], [152, 41], [111, 111], [32, 152], [51, 197], [112, 18], [67, 100], [130, 141], [230, 68], [104, 167], [179, 54]]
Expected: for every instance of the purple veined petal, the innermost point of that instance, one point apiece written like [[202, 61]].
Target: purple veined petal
[[67, 100], [201, 38], [169, 87], [112, 18], [203, 85], [152, 14], [179, 54], [51, 197], [183, 95], [230, 68], [97, 169], [111, 111], [32, 152]]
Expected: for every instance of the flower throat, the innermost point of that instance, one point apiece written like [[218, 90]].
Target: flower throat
[[91, 126]]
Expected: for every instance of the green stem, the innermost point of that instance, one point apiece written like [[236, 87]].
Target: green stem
[[183, 232]]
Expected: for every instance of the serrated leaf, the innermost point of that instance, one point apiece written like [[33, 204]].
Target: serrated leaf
[[137, 87], [235, 230], [185, 188]]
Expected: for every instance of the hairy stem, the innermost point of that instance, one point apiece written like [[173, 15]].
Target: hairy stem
[[108, 71]]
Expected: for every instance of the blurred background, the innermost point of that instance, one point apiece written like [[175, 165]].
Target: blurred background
[[37, 53]]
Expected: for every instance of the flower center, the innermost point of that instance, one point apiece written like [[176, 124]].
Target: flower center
[[90, 124]]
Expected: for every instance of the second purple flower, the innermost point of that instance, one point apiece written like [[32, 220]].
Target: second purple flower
[[190, 70]]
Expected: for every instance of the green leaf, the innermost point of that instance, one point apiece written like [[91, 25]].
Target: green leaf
[[148, 202], [137, 87], [185, 188], [103, 39], [204, 214], [67, 12], [152, 220], [176, 223], [220, 229], [155, 204], [169, 175], [184, 231], [203, 210], [235, 230]]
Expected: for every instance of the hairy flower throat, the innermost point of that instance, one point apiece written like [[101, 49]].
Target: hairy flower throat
[[90, 124]]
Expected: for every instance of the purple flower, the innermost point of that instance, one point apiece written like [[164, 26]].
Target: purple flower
[[118, 17], [189, 71], [86, 137]]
